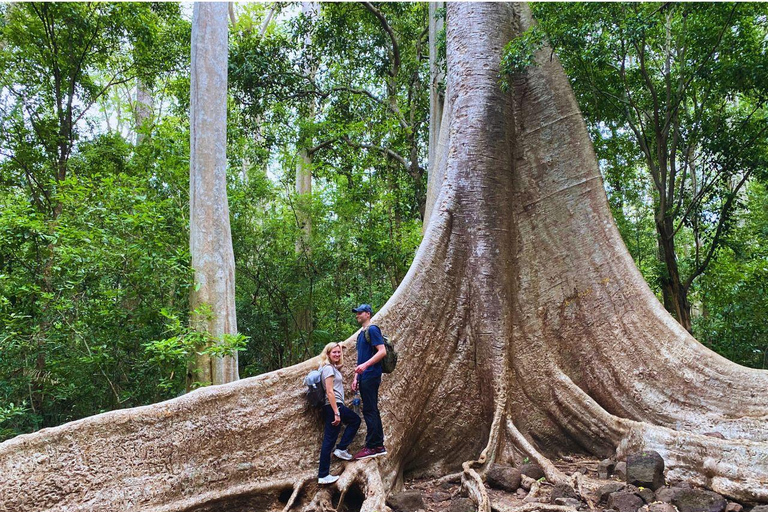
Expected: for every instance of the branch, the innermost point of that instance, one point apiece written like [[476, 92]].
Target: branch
[[386, 151], [395, 48]]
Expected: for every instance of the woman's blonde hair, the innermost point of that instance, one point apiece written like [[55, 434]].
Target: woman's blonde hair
[[324, 357]]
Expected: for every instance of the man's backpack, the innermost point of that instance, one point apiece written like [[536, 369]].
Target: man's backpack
[[390, 360], [315, 388]]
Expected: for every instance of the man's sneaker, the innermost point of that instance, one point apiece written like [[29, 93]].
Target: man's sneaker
[[369, 453], [342, 454], [329, 479]]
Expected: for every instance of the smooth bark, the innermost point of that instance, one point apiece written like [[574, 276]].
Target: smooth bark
[[210, 239], [523, 327]]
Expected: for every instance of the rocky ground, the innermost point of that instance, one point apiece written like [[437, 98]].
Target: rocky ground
[[603, 488]]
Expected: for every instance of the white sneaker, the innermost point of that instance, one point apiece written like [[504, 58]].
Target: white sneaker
[[342, 454], [329, 479]]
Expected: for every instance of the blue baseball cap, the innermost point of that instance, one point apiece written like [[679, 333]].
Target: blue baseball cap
[[363, 307]]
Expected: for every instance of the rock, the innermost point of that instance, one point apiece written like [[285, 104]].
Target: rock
[[462, 505], [667, 494], [604, 490], [718, 435], [521, 493], [567, 502], [645, 469], [620, 471], [504, 477], [661, 507], [605, 468], [406, 501], [562, 491], [692, 500], [440, 496], [532, 470], [760, 508], [646, 494], [624, 501], [732, 506]]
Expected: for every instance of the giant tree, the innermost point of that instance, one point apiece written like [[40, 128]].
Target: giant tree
[[524, 330]]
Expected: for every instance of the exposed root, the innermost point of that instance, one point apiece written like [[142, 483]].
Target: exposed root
[[533, 487], [553, 474], [472, 482], [453, 478], [321, 502], [532, 507], [296, 489], [367, 473]]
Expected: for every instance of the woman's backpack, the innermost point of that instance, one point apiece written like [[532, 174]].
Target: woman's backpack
[[315, 388], [390, 360]]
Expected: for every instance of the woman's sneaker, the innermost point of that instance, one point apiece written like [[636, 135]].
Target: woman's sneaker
[[369, 453], [329, 479], [342, 454]]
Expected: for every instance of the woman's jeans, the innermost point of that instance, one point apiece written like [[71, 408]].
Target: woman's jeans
[[369, 392], [352, 422]]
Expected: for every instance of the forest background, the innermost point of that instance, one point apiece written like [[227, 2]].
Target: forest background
[[328, 152]]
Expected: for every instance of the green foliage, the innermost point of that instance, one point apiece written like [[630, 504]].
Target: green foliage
[[173, 354], [674, 97], [519, 54]]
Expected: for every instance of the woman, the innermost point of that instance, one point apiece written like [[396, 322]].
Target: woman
[[335, 413]]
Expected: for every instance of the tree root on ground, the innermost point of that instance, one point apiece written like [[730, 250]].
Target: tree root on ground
[[472, 482], [532, 507]]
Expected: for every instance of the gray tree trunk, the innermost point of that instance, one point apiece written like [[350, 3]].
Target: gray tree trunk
[[142, 109], [523, 327], [210, 239], [436, 111]]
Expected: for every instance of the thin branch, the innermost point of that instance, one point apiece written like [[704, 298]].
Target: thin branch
[[388, 29]]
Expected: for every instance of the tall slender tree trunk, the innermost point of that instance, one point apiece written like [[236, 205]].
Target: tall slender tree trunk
[[437, 139], [142, 110], [674, 292], [523, 327], [210, 241], [303, 314]]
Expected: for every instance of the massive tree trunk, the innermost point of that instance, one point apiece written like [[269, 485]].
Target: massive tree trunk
[[210, 240], [523, 326]]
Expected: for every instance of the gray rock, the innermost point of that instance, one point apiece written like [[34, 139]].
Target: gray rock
[[717, 435], [440, 496], [732, 506], [760, 508], [620, 471], [624, 501], [521, 493], [532, 470], [567, 502], [661, 507], [605, 490], [562, 491], [646, 494], [406, 501], [645, 469], [667, 494], [692, 500], [462, 505], [504, 477], [605, 468]]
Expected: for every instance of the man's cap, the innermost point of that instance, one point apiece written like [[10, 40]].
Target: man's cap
[[363, 307]]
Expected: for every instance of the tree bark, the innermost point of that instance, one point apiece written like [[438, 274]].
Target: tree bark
[[436, 108], [210, 239], [523, 328], [142, 111]]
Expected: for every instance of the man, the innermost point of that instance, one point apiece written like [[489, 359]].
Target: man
[[367, 379]]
